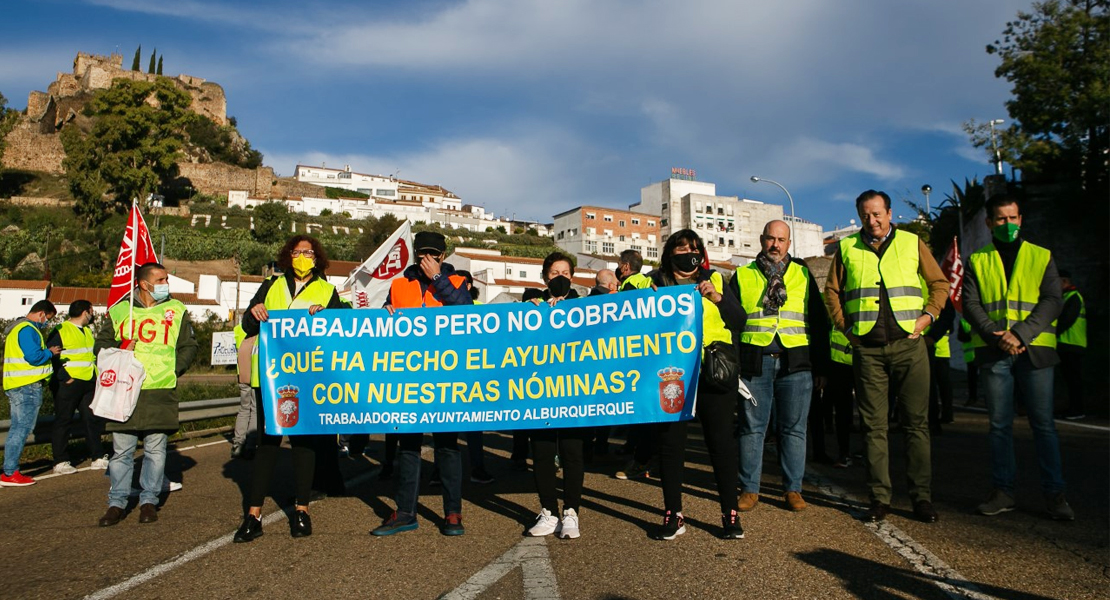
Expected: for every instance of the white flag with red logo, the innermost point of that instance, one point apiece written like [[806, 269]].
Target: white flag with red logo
[[953, 269], [135, 251], [369, 283]]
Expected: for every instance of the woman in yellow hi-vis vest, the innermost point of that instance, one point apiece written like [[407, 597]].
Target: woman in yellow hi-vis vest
[[302, 285]]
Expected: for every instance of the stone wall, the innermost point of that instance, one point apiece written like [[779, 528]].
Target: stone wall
[[217, 179], [26, 148]]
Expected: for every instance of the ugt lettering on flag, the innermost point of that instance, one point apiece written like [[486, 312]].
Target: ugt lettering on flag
[[953, 268], [135, 250]]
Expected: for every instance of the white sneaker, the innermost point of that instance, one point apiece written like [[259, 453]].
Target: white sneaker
[[546, 524], [99, 464], [64, 468], [568, 527], [167, 486]]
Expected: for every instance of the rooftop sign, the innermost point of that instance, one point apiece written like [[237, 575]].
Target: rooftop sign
[[684, 174]]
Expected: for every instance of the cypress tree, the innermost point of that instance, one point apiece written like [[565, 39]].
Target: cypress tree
[[135, 61], [150, 68], [159, 65]]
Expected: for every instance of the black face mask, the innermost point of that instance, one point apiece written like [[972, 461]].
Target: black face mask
[[685, 263], [559, 286]]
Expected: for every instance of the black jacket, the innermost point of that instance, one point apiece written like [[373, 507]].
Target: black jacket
[[814, 357]]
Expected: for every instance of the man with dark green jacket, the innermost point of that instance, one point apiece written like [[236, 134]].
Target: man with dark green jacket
[[158, 329]]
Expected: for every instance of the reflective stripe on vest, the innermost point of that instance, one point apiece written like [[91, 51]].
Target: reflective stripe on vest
[[77, 354], [405, 292], [840, 349], [1010, 302], [155, 331], [713, 326], [897, 270], [637, 280], [318, 291], [1076, 335], [790, 321], [17, 371]]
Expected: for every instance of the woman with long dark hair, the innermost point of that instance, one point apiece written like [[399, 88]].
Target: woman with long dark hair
[[547, 443], [302, 284], [685, 262]]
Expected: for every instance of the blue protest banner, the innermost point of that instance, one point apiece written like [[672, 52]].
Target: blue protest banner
[[624, 358]]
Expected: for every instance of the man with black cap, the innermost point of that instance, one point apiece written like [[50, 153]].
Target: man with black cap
[[428, 282]]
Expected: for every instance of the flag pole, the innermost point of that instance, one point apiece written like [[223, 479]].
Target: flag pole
[[134, 249]]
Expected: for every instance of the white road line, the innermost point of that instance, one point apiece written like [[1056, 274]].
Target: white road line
[[923, 561], [195, 553], [531, 556]]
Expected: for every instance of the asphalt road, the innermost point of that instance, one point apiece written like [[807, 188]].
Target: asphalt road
[[52, 548]]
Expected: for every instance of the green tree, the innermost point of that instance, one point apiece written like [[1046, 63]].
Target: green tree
[[131, 149], [159, 65], [138, 56], [1058, 59], [374, 233], [271, 221], [150, 68]]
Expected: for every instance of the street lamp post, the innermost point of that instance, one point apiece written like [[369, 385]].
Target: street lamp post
[[927, 189], [788, 196], [994, 142]]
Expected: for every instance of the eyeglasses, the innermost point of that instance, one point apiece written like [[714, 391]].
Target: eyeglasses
[[431, 253], [308, 253]]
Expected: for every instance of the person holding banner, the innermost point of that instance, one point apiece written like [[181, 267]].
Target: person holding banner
[[684, 262], [158, 329], [428, 282], [564, 443], [302, 261]]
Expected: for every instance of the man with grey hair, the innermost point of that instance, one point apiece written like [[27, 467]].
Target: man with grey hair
[[605, 282]]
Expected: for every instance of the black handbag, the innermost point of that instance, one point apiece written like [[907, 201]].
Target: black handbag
[[719, 368]]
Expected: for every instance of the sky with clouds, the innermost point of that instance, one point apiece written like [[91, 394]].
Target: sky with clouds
[[532, 107]]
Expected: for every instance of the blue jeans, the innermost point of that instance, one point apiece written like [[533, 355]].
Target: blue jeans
[[788, 395], [121, 467], [25, 401], [1001, 381], [449, 460]]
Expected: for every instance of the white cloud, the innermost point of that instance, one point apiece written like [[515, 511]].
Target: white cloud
[[811, 161]]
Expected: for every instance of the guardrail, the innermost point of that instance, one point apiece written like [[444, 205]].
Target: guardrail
[[196, 410]]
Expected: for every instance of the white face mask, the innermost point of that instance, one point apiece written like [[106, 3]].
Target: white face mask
[[160, 292]]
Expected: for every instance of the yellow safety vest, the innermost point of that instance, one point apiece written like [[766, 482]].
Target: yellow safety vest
[[840, 349], [969, 352], [318, 291], [17, 371], [866, 272], [713, 326], [638, 281], [1076, 335], [1010, 302], [155, 330], [790, 322], [77, 351]]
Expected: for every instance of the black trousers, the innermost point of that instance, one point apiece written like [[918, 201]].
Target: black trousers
[[265, 459], [940, 391], [567, 443], [717, 413], [1071, 369], [838, 395], [68, 398]]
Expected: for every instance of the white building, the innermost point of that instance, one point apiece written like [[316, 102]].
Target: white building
[[17, 296], [372, 185], [501, 278]]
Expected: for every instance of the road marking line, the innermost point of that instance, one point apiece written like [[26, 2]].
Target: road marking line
[[197, 552], [923, 561], [531, 556]]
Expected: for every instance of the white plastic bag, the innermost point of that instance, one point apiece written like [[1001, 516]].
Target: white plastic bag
[[117, 388]]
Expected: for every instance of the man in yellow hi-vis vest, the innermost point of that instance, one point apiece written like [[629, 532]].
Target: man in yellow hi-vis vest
[[73, 387], [1072, 345], [873, 293], [158, 329], [26, 369], [1011, 299]]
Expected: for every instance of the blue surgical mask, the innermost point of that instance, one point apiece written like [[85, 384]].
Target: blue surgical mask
[[160, 292]]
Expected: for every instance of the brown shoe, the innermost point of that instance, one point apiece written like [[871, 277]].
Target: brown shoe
[[748, 500], [112, 517], [794, 502], [148, 513]]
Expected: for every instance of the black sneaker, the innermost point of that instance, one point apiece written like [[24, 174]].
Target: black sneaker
[[250, 530], [479, 475], [673, 526], [732, 528]]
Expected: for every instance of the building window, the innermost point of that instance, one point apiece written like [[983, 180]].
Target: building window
[[524, 275], [635, 221], [708, 209], [730, 243], [621, 238], [638, 248], [27, 301], [720, 210], [591, 216], [664, 206], [621, 223], [607, 247], [560, 236], [663, 222], [608, 218], [508, 271], [591, 246], [653, 252], [386, 192], [651, 223], [721, 242]]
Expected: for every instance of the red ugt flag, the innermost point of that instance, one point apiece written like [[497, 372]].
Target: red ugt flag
[[135, 250], [953, 269]]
